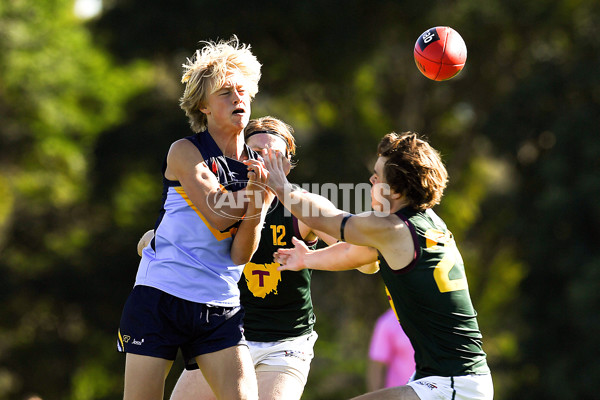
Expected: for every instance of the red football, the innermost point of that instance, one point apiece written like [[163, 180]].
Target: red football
[[440, 53]]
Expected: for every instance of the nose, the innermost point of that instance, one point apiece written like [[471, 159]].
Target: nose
[[237, 96], [372, 179]]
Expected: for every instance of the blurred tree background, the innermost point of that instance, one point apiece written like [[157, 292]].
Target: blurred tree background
[[88, 108]]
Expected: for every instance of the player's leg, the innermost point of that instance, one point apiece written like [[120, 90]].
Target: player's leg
[[220, 351], [145, 377], [276, 385], [467, 387], [282, 367], [395, 393], [191, 385], [150, 343], [230, 373]]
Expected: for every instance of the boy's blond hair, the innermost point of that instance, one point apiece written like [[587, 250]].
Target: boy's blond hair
[[207, 71]]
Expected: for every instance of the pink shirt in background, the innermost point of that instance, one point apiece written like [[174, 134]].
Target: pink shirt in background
[[391, 346]]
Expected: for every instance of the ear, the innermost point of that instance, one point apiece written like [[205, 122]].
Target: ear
[[203, 109], [395, 195]]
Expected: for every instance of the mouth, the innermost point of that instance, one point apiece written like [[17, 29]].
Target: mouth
[[239, 111]]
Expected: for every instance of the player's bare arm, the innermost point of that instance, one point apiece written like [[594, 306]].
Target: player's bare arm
[[247, 237], [309, 234], [319, 213], [366, 229], [338, 257], [185, 164], [297, 201]]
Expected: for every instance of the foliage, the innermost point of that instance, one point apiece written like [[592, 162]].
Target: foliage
[[58, 93]]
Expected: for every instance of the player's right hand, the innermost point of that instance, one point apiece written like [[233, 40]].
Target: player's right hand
[[292, 259], [277, 165]]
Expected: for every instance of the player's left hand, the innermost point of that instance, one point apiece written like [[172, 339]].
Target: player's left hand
[[257, 172]]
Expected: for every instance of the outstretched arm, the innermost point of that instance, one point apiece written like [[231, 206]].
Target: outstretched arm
[[338, 257], [321, 214], [330, 240], [378, 230], [315, 211]]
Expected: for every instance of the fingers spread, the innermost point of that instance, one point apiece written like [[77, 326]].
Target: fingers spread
[[284, 252]]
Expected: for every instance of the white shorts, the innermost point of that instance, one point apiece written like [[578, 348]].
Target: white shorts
[[291, 357], [467, 387]]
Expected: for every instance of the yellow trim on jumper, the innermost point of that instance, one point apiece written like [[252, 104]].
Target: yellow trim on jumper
[[216, 233], [121, 339], [389, 296]]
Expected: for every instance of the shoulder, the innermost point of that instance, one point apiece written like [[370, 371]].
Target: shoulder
[[183, 158], [183, 144], [389, 234], [377, 230], [183, 150]]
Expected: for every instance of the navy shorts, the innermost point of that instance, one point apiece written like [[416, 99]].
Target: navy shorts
[[157, 324]]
